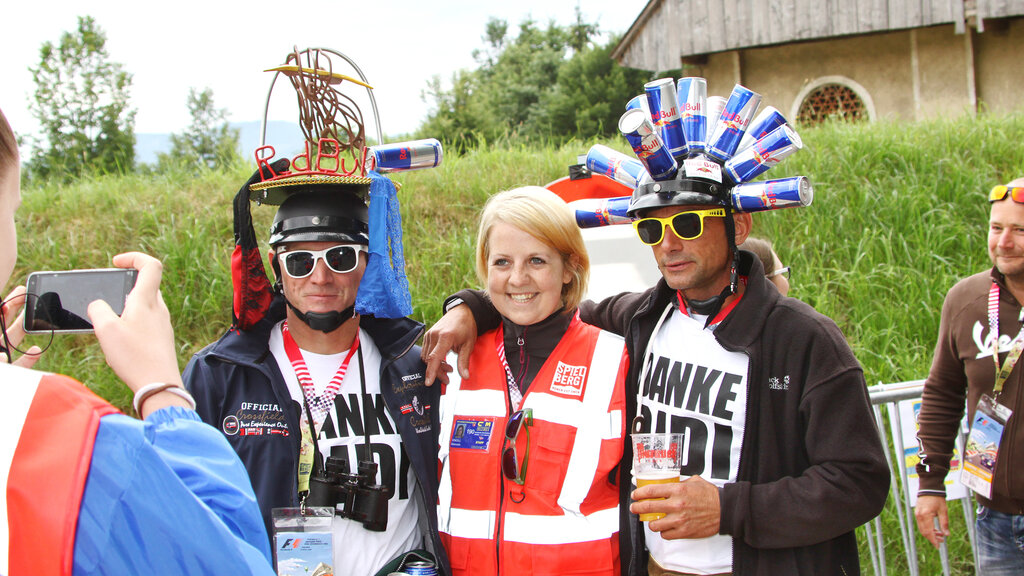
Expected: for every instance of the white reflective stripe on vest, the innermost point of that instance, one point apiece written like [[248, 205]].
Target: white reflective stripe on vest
[[567, 529], [20, 387], [479, 524], [594, 424]]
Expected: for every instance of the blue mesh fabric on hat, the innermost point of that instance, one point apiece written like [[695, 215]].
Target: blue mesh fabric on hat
[[384, 290]]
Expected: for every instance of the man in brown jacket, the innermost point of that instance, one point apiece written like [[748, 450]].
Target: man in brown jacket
[[964, 369]]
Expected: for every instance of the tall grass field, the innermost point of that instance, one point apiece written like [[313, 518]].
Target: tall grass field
[[899, 215]]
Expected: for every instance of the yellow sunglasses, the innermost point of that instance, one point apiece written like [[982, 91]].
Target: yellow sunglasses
[[687, 225], [999, 192]]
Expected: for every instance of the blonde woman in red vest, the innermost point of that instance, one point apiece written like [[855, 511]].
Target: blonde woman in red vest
[[529, 443]]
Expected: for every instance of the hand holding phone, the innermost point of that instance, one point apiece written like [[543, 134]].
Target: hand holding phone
[[139, 345], [57, 301]]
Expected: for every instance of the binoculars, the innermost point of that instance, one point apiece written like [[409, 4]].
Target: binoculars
[[354, 496]]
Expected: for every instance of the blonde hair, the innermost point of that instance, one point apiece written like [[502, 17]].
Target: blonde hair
[[543, 215], [763, 249]]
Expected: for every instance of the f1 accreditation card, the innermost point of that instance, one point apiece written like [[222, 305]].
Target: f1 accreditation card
[[982, 447], [303, 540]]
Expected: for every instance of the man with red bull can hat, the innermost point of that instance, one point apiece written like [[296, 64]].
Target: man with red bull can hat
[[782, 457]]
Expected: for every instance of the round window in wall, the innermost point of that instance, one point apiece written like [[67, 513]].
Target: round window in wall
[[831, 101]]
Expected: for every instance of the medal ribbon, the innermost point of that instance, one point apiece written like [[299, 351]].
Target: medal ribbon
[[318, 405], [1016, 346]]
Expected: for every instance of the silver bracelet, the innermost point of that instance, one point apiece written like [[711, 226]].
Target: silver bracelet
[[148, 390]]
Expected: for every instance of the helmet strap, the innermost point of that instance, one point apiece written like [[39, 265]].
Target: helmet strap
[[710, 306], [325, 322], [730, 237]]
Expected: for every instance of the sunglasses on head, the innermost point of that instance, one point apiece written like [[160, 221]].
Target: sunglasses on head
[[340, 259], [785, 271], [1000, 192], [519, 420], [687, 225]]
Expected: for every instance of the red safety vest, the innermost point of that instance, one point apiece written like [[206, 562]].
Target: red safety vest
[[48, 430], [565, 518]]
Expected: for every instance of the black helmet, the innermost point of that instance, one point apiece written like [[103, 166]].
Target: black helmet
[[676, 192], [694, 184], [321, 214]]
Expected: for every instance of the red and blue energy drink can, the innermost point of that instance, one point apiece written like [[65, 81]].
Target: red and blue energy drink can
[[638, 129], [637, 102], [662, 102], [419, 568], [765, 153], [615, 165], [766, 120], [692, 93], [739, 110], [594, 212], [401, 156], [715, 106], [772, 194]]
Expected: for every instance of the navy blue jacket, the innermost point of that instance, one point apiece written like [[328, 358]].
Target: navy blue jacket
[[239, 390]]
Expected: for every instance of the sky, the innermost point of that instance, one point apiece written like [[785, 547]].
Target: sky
[[170, 47]]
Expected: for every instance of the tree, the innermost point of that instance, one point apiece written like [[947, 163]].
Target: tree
[[591, 94], [81, 102], [208, 141], [548, 84]]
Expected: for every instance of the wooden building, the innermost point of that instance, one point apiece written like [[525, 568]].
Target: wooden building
[[873, 59]]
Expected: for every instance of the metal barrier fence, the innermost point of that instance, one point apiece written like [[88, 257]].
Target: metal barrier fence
[[889, 396]]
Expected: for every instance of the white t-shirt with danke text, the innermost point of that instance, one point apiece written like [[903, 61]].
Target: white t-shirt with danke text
[[691, 384]]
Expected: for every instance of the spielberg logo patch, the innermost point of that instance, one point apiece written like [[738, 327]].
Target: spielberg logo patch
[[569, 379]]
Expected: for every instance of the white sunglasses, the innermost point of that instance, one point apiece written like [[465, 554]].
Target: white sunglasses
[[340, 259]]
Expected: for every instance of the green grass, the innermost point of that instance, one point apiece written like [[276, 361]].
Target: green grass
[[899, 215]]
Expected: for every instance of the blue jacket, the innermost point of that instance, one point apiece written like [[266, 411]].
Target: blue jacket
[[240, 390], [150, 504]]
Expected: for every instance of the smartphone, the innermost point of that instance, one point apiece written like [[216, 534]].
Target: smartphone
[[57, 301]]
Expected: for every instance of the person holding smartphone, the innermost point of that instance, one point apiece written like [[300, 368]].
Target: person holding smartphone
[[92, 491]]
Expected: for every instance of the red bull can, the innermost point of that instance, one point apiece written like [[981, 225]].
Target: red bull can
[[771, 194], [764, 154], [662, 102], [595, 212], [715, 106], [739, 110], [401, 156], [419, 568], [638, 129], [766, 120], [638, 102], [692, 93], [615, 165]]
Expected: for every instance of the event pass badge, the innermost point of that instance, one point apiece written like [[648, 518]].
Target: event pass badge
[[303, 544], [983, 445], [472, 433]]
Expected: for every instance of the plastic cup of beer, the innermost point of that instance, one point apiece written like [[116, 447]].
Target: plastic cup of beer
[[656, 460]]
